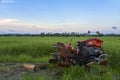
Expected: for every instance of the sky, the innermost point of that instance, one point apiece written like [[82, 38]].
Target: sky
[[58, 16]]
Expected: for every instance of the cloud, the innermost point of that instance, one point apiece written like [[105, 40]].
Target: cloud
[[34, 26], [1, 32], [7, 21], [11, 25], [114, 27], [7, 1], [11, 30]]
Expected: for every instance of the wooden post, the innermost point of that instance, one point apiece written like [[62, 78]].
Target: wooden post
[[29, 67]]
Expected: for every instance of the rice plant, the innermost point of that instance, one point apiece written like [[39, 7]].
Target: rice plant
[[38, 49]]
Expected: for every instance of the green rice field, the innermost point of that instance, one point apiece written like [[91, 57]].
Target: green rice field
[[38, 49]]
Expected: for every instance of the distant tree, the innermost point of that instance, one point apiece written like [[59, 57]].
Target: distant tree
[[89, 32], [42, 34], [99, 34]]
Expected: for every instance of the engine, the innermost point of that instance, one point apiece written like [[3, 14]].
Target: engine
[[88, 51]]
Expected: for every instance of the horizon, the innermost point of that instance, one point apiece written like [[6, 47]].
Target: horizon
[[59, 16]]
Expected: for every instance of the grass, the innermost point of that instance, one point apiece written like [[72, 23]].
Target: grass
[[38, 49], [33, 76], [23, 58]]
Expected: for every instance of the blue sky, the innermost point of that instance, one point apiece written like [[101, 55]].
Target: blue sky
[[36, 16]]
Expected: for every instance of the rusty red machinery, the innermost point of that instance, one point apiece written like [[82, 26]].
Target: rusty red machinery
[[86, 52]]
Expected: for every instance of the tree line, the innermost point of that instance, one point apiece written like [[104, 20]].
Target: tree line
[[76, 34]]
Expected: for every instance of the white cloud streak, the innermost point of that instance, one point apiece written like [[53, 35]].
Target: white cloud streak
[[16, 26], [6, 21]]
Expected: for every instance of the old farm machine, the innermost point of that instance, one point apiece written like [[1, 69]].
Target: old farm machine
[[86, 53]]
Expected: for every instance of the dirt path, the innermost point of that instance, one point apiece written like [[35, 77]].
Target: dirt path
[[15, 71]]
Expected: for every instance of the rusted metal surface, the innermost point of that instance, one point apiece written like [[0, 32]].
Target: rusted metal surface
[[86, 53]]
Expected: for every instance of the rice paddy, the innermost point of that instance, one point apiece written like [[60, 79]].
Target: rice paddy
[[38, 49]]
